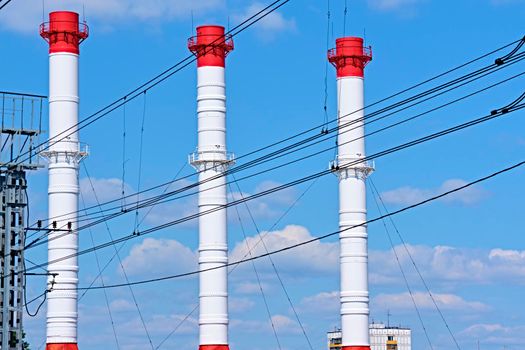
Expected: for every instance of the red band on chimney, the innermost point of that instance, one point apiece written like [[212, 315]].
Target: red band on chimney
[[63, 32], [356, 348], [66, 346], [211, 46], [214, 347], [350, 57]]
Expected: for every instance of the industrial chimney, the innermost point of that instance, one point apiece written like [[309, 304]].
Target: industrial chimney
[[64, 35], [350, 58], [211, 160]]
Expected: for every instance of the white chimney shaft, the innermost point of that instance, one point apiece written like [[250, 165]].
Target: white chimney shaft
[[211, 160], [64, 34], [350, 58]]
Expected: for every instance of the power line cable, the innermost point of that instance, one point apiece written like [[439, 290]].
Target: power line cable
[[161, 77], [275, 156], [325, 107], [4, 5], [267, 307], [124, 160], [405, 279], [412, 260], [258, 160], [106, 298], [492, 115], [261, 239], [498, 113], [319, 238], [140, 163], [124, 244], [177, 327], [158, 200], [120, 262], [281, 217]]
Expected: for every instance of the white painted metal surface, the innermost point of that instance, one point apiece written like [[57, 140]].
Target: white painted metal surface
[[352, 211], [212, 160], [64, 157]]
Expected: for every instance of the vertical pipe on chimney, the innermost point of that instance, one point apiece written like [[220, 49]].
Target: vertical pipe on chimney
[[350, 59], [64, 35], [211, 46]]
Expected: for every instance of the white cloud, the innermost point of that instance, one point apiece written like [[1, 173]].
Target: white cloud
[[316, 257], [496, 334], [388, 5], [442, 264], [159, 257], [269, 26], [240, 304], [409, 195], [266, 207], [403, 301], [285, 325], [249, 287], [121, 305], [25, 16], [324, 302], [105, 189]]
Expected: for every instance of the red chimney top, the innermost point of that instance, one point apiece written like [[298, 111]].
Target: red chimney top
[[63, 32], [211, 46]]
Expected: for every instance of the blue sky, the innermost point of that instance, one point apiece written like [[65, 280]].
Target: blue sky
[[470, 248]]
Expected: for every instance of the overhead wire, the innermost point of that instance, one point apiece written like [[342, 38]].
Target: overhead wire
[[124, 273], [234, 267], [161, 77], [313, 176], [124, 243], [325, 106], [124, 160], [297, 144], [158, 200], [405, 279], [5, 4], [427, 138], [412, 260], [139, 182], [261, 239], [249, 249], [106, 298], [327, 235]]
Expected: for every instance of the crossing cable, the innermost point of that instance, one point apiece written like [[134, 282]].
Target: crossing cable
[[106, 298], [281, 217], [257, 275], [194, 216], [494, 114], [158, 200], [412, 260], [407, 284], [261, 239], [258, 160], [159, 78], [165, 190], [120, 260], [509, 61], [124, 244], [5, 4], [325, 107], [319, 238], [344, 18], [375, 103], [140, 164], [124, 160], [181, 322]]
